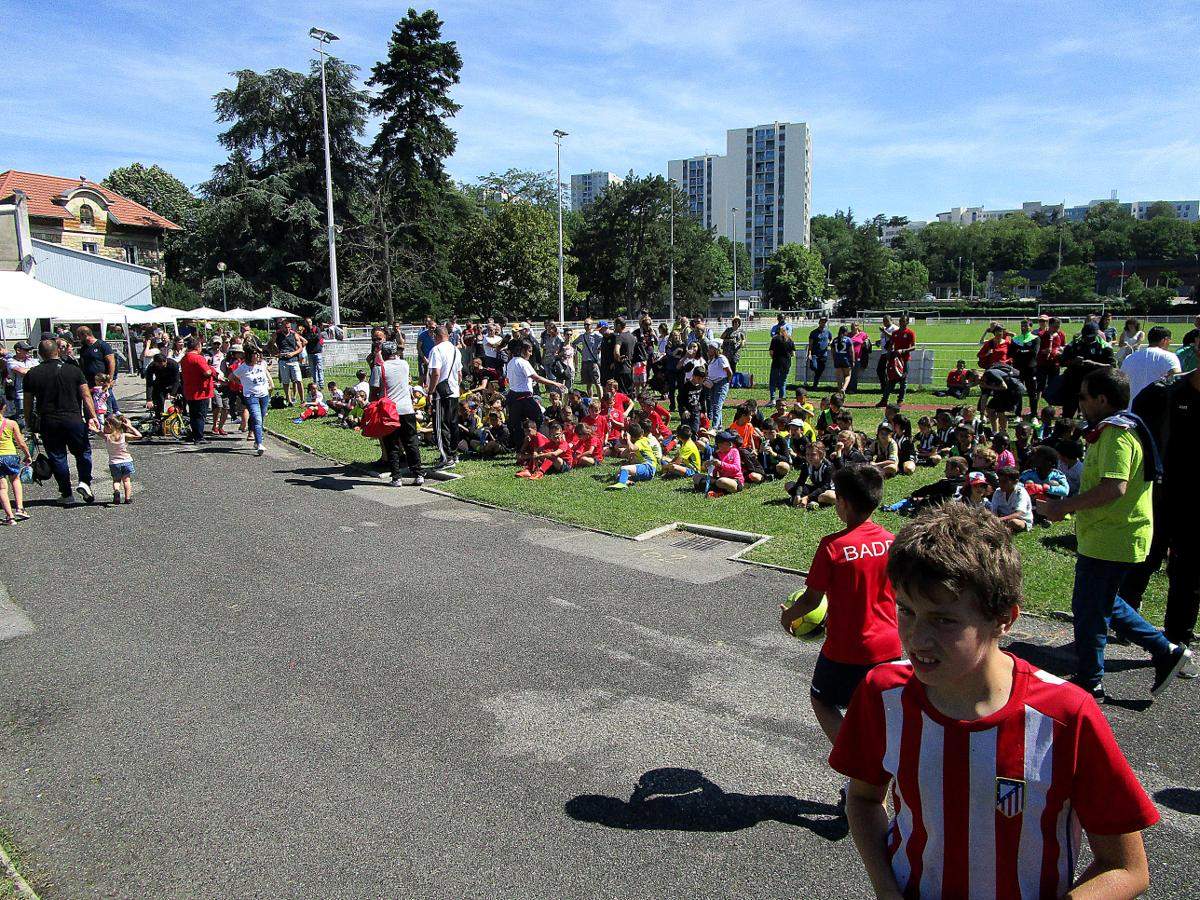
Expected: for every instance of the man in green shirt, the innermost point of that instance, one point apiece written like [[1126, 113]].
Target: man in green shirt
[[1113, 528]]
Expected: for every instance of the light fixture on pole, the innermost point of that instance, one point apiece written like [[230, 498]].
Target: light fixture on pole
[[559, 134], [323, 38], [733, 250], [224, 301]]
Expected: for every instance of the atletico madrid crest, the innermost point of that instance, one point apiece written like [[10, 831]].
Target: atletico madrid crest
[[1010, 796]]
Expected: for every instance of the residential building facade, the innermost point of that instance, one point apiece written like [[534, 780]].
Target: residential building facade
[[84, 216], [759, 192], [587, 187], [1186, 210]]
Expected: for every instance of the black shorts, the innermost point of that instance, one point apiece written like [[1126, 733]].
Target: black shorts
[[590, 373], [1003, 401], [834, 683]]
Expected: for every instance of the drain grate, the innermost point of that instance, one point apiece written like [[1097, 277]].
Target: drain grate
[[698, 543]]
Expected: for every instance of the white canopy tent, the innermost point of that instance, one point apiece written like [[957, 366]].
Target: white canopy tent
[[160, 315], [208, 313], [269, 312]]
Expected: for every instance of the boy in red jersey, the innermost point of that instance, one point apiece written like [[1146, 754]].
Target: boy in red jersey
[[850, 567], [994, 765]]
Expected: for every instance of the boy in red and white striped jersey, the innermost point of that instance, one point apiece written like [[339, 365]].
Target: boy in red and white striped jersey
[[995, 767]]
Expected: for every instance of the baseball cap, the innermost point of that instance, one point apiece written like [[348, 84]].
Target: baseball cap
[[884, 426], [796, 423], [727, 435], [524, 326], [22, 345], [388, 347], [236, 348], [1090, 328], [977, 478], [604, 323]]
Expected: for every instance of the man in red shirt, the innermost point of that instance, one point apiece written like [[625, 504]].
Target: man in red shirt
[[1051, 342], [895, 370], [198, 377], [993, 767], [850, 568]]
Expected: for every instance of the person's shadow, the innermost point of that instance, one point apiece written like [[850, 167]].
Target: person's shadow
[[685, 800]]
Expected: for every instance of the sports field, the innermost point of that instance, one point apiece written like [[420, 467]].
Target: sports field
[[580, 498]]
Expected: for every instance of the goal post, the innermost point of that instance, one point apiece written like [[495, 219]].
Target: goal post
[[1070, 312]]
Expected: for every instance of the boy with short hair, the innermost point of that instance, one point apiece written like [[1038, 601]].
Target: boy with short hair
[[994, 766], [1010, 501], [532, 448], [647, 457], [686, 461], [850, 568]]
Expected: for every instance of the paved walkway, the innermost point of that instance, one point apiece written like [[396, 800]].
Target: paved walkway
[[267, 679]]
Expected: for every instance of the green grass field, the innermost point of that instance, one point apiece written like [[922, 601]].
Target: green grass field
[[580, 498]]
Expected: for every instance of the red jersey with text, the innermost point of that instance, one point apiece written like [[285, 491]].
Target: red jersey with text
[[993, 807], [850, 568]]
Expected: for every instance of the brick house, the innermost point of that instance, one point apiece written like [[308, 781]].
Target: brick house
[[83, 215]]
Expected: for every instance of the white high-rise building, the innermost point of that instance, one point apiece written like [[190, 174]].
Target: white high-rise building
[[766, 174], [587, 188]]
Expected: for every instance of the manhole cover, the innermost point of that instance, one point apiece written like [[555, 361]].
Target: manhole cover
[[698, 543]]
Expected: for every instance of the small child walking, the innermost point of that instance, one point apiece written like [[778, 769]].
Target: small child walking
[[118, 431], [11, 440]]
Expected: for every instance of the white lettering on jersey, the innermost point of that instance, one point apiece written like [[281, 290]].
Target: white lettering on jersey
[[866, 551]]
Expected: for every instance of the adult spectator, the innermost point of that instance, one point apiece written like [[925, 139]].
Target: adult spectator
[[162, 381], [521, 402], [199, 380], [588, 345], [1171, 408], [18, 363], [57, 391], [781, 324], [1051, 341], [1022, 354], [861, 342], [608, 352], [1107, 330], [1113, 529], [394, 380], [442, 387], [819, 340], [1087, 352], [425, 341], [551, 343], [1194, 335], [719, 374], [96, 358], [782, 350], [1131, 339], [314, 346], [255, 377], [623, 349], [886, 329], [1151, 362], [248, 339], [733, 339], [288, 346], [903, 340]]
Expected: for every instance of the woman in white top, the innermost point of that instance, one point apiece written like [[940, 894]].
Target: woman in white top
[[521, 401], [255, 376], [1130, 339], [719, 375]]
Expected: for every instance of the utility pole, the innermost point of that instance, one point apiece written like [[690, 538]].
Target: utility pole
[[733, 250], [960, 278], [671, 195], [323, 38], [1121, 291], [559, 134], [972, 281]]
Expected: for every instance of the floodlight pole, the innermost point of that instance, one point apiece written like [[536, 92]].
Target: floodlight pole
[[671, 195], [323, 38], [733, 249], [224, 300], [559, 134]]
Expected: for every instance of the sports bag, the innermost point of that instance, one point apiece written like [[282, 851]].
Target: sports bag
[[380, 417]]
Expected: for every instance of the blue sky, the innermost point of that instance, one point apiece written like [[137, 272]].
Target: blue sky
[[914, 106]]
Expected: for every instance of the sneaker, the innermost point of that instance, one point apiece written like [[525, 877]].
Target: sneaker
[[84, 490], [66, 500], [396, 482], [843, 796], [617, 486], [20, 515], [1167, 666], [258, 449], [116, 498], [417, 481], [1096, 690], [712, 495], [1188, 671], [534, 476]]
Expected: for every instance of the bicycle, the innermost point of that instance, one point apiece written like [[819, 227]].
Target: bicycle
[[170, 425]]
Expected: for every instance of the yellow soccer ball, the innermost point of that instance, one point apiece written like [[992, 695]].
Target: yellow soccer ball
[[811, 626]]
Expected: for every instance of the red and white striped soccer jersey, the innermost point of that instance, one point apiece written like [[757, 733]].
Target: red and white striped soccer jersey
[[994, 807]]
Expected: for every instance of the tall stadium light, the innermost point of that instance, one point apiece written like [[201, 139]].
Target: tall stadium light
[[671, 314], [221, 267], [324, 38], [559, 134], [733, 249]]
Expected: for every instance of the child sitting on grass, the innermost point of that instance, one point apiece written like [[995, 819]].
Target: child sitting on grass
[[118, 430], [850, 569], [1070, 463], [314, 406], [905, 446], [724, 471], [1042, 478], [976, 749], [363, 386], [647, 456], [751, 467], [847, 450], [1010, 502], [529, 456], [885, 455], [927, 443], [776, 451], [493, 437], [686, 462], [1003, 447], [813, 486], [356, 401], [984, 460], [588, 447], [944, 489], [744, 428], [337, 399]]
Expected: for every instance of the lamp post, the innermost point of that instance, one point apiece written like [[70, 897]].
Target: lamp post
[[224, 301], [559, 134], [733, 249], [323, 38], [960, 278], [671, 313]]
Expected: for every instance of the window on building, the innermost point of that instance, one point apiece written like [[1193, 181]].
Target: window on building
[[86, 216], [91, 247], [131, 253]]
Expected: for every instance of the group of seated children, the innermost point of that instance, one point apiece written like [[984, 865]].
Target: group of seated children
[[994, 472], [346, 404]]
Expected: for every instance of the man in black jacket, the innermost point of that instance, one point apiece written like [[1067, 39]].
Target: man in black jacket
[[56, 392]]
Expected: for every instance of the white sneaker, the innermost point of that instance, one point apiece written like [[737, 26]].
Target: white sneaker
[[1189, 670], [84, 491], [258, 449], [417, 481]]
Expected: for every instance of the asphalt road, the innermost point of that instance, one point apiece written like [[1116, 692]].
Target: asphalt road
[[267, 679]]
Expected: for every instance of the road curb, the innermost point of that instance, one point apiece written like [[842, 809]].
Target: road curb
[[11, 873]]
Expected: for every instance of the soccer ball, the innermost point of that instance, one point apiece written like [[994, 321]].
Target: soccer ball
[[809, 627]]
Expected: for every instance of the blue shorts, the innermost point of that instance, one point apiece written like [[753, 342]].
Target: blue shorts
[[10, 464], [120, 470], [643, 472]]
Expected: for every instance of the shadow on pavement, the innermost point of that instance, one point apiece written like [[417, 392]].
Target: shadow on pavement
[[1184, 800], [685, 800]]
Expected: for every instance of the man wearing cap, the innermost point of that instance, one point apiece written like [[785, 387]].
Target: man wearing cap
[[444, 370], [19, 362], [1089, 351], [588, 345], [57, 391]]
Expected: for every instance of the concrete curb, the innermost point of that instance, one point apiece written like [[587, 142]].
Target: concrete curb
[[11, 873]]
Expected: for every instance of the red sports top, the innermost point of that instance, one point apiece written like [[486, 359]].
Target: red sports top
[[850, 568], [904, 339], [993, 807], [993, 354], [197, 376]]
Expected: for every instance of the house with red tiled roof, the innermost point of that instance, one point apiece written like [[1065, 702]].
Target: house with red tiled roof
[[82, 215]]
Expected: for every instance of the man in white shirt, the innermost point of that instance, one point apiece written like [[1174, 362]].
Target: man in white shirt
[[1152, 362], [442, 375], [393, 377], [521, 401]]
